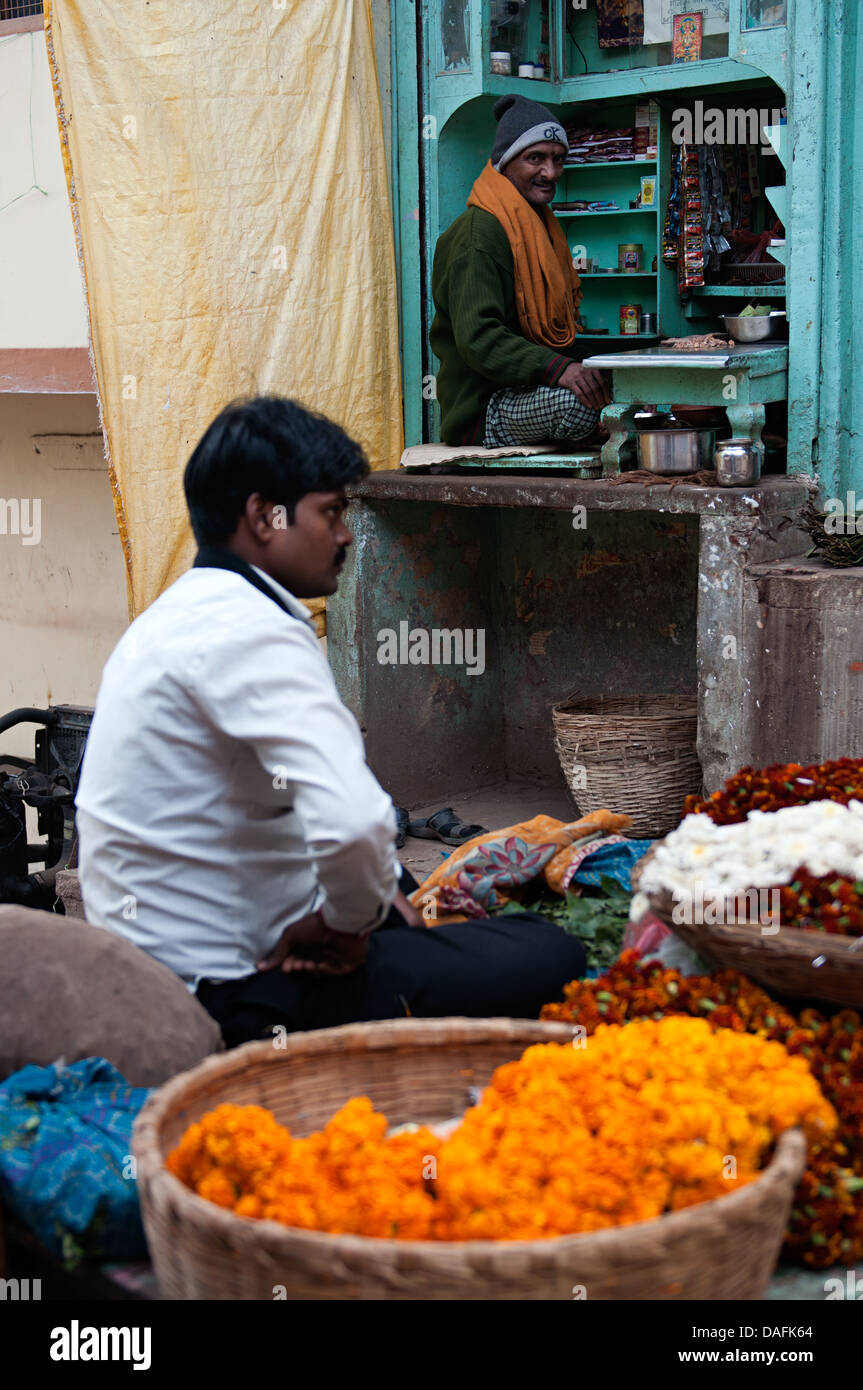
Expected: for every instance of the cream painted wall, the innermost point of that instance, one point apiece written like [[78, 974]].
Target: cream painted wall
[[63, 599], [42, 303]]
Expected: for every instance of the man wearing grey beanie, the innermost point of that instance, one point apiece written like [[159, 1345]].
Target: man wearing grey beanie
[[506, 297]]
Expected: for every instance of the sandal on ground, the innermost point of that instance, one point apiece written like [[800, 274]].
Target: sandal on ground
[[445, 826], [402, 823]]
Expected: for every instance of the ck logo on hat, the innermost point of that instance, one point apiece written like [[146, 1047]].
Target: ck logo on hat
[[550, 132]]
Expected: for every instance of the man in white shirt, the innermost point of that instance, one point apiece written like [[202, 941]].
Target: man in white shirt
[[228, 822]]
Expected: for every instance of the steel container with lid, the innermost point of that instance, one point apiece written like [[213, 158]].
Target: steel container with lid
[[738, 463]]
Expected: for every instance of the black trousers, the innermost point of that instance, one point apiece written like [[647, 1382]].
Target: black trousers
[[505, 967]]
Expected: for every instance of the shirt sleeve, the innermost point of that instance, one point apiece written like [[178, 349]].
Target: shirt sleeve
[[273, 691], [477, 295]]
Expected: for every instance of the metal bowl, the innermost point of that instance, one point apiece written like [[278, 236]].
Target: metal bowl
[[676, 451], [754, 328]]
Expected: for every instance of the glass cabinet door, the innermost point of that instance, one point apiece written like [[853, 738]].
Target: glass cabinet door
[[520, 39], [455, 17], [764, 14]]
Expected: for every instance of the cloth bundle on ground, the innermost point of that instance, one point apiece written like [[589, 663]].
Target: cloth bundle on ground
[[72, 990], [65, 1158], [473, 881]]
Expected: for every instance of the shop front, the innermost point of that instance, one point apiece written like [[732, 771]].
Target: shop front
[[704, 156]]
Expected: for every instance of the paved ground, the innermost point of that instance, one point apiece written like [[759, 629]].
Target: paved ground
[[494, 807]]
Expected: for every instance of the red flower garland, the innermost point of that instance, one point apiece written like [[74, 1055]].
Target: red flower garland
[[826, 1225]]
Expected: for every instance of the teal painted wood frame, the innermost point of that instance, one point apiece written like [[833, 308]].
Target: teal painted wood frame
[[407, 218], [825, 235]]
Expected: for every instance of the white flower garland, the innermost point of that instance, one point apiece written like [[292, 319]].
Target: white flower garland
[[702, 858]]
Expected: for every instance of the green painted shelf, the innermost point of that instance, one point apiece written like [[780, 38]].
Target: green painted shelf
[[618, 275], [611, 164], [612, 212], [744, 291]]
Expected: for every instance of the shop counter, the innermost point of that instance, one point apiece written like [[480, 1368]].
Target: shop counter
[[741, 380]]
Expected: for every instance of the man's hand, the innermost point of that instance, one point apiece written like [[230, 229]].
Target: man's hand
[[410, 914], [309, 944], [588, 386]]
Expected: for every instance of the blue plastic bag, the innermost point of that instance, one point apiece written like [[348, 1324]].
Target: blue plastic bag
[[65, 1158]]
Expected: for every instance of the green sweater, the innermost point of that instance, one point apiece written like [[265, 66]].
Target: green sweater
[[475, 333]]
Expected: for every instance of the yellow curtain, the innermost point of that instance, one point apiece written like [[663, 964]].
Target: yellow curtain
[[227, 175]]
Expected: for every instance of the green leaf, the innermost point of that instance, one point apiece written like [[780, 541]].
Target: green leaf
[[610, 886]]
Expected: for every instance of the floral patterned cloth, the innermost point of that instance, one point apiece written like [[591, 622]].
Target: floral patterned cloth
[[475, 878]]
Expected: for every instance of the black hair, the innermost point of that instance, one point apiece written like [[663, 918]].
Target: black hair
[[270, 445]]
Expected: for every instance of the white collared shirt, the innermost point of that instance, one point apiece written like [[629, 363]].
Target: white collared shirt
[[224, 790]]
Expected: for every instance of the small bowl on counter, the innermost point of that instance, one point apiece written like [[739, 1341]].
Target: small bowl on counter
[[676, 451], [755, 328]]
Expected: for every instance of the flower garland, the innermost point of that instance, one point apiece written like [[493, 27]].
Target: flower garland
[[831, 903], [702, 857], [826, 1225], [781, 784], [645, 1119]]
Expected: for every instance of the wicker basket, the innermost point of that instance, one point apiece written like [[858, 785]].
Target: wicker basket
[[421, 1069], [637, 753], [782, 962]]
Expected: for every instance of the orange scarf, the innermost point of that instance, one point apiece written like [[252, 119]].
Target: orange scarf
[[547, 289]]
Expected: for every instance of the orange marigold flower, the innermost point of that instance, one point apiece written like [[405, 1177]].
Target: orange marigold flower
[[642, 1121]]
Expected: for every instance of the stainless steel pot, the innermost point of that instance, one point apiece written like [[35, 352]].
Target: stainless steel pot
[[676, 451], [754, 328], [738, 463]]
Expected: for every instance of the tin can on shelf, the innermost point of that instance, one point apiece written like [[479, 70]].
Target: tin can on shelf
[[629, 317], [629, 256], [647, 324]]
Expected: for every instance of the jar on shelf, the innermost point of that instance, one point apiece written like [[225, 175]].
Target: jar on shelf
[[501, 63]]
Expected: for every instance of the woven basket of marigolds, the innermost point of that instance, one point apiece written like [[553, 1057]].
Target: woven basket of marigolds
[[766, 877], [478, 1159]]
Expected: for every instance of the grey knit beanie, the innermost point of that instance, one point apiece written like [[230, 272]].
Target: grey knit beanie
[[520, 123]]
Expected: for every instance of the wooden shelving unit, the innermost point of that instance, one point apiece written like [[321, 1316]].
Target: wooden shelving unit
[[602, 232]]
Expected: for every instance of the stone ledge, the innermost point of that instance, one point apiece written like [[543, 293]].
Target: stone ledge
[[771, 495]]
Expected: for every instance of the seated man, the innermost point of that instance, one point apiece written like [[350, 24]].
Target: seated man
[[506, 297], [228, 822]]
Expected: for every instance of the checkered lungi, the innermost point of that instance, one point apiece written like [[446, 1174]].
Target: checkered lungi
[[534, 414]]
